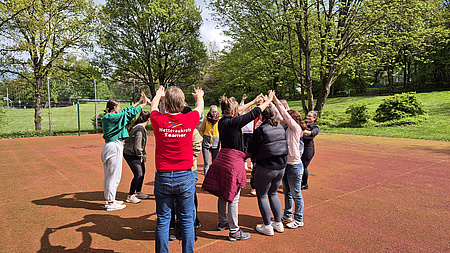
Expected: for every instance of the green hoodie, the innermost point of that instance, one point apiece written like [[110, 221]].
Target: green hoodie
[[113, 124]]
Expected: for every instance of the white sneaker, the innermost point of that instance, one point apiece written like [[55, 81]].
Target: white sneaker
[[286, 219], [295, 224], [141, 195], [115, 207], [132, 199], [115, 201], [278, 226], [265, 229]]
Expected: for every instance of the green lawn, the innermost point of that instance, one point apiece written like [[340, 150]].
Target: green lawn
[[65, 119], [437, 127]]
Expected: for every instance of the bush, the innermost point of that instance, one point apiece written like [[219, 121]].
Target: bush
[[359, 114], [404, 121], [332, 119], [399, 106]]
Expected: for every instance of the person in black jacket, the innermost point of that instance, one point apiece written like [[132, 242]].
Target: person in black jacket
[[269, 148], [308, 140]]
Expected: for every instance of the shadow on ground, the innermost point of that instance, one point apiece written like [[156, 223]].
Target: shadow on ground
[[85, 200], [114, 227]]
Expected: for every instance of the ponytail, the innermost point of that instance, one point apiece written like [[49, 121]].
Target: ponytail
[[226, 104], [110, 105]]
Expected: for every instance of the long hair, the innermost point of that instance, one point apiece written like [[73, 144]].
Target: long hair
[[298, 118], [110, 105], [143, 117], [269, 114]]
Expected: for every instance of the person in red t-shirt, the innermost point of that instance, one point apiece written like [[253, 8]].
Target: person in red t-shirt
[[174, 179]]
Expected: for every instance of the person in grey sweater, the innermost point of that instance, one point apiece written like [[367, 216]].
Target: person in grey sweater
[[135, 155]]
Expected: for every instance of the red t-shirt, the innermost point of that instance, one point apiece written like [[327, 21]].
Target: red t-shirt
[[173, 134]]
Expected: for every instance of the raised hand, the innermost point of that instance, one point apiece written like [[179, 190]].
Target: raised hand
[[198, 92], [272, 95], [160, 92]]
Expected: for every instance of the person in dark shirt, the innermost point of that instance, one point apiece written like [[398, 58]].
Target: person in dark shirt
[[269, 149], [308, 140], [228, 168]]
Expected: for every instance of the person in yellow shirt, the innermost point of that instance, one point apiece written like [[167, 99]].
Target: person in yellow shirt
[[210, 132]]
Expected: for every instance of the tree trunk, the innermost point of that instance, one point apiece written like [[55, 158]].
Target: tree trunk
[[390, 73], [325, 89], [38, 104]]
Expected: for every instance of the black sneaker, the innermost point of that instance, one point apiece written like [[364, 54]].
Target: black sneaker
[[222, 227], [239, 235]]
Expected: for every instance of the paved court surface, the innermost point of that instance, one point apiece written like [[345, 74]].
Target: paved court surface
[[367, 194]]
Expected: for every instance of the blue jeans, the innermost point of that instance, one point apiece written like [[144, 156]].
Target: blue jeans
[[178, 186], [292, 182]]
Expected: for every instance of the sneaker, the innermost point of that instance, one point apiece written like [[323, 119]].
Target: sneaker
[[115, 207], [132, 199], [278, 226], [253, 192], [304, 187], [172, 237], [222, 227], [265, 229], [197, 224], [295, 224], [285, 219], [141, 195], [115, 201], [239, 235]]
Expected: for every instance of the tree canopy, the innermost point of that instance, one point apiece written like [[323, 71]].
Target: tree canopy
[[37, 33], [153, 41]]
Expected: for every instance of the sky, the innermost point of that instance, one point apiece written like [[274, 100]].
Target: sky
[[210, 30]]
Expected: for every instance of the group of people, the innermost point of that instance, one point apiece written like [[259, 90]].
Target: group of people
[[276, 145]]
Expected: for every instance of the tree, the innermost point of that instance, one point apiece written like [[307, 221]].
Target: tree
[[256, 26], [401, 36], [153, 41], [32, 39]]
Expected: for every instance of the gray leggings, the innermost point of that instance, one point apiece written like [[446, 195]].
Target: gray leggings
[[267, 182]]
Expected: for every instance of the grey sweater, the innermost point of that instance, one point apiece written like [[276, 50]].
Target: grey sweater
[[135, 144]]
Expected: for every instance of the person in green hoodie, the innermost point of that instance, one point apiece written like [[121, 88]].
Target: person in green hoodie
[[114, 132]]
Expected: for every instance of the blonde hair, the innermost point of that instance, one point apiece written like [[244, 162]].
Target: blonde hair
[[213, 107], [174, 100], [285, 104]]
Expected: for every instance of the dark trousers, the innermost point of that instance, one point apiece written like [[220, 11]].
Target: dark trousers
[[138, 169], [267, 183], [307, 156]]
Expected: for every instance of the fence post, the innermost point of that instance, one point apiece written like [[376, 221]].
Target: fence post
[[95, 96], [78, 112], [49, 107]]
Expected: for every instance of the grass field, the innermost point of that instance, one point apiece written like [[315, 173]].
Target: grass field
[[65, 119], [436, 127]]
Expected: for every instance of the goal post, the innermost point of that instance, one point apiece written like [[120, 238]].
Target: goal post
[[95, 111]]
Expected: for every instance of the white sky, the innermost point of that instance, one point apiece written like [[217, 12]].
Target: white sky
[[209, 32]]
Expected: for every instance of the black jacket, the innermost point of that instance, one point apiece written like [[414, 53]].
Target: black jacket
[[269, 146]]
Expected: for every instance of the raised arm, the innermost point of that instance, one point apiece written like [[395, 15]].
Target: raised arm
[[159, 93], [198, 95], [267, 100], [286, 117], [244, 107]]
